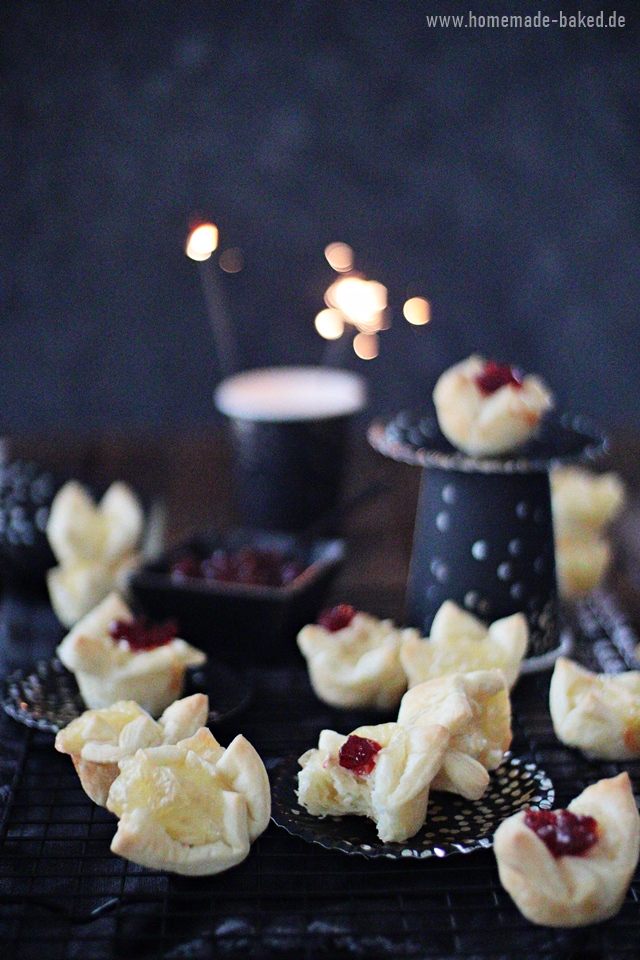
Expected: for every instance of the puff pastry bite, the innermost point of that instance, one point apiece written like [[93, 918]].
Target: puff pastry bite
[[98, 739], [192, 808], [459, 642], [584, 501], [108, 668], [580, 874], [598, 713], [96, 546], [476, 710], [449, 733], [354, 659], [486, 409], [581, 565], [383, 772], [584, 505]]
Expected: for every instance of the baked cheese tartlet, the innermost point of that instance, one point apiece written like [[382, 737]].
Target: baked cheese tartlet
[[459, 643], [99, 739], [487, 409], [116, 657], [599, 713], [573, 867], [354, 659], [584, 502], [192, 808]]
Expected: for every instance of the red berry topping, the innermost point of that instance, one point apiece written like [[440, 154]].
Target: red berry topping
[[359, 755], [247, 565], [186, 566], [496, 375], [141, 635], [337, 618], [562, 831]]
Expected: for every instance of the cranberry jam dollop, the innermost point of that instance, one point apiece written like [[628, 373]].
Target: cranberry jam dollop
[[562, 831], [142, 635], [252, 566], [337, 618], [496, 375], [359, 755]]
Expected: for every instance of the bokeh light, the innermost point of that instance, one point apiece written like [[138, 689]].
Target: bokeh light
[[329, 324], [361, 302], [231, 260], [366, 345], [339, 257], [417, 311]]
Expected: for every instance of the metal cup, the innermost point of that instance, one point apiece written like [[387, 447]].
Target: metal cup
[[289, 429]]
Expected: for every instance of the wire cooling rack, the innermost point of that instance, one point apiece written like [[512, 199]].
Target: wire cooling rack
[[64, 895]]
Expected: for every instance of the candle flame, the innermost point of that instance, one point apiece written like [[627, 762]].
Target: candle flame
[[417, 311], [329, 324], [366, 345], [339, 256], [202, 241]]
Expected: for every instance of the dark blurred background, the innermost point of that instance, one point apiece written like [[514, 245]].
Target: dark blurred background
[[494, 172]]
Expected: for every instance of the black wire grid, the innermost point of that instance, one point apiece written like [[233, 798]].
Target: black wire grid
[[64, 895]]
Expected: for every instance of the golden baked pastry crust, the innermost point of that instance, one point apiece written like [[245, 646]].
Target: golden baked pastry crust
[[193, 808], [476, 710], [357, 666], [573, 891], [99, 739], [450, 732], [108, 671], [96, 546], [396, 793], [595, 712], [459, 643], [490, 425]]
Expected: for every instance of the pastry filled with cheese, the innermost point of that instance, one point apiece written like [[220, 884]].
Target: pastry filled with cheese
[[192, 808], [487, 409], [97, 545], [448, 734], [99, 739], [584, 506], [383, 772], [573, 867], [476, 710]]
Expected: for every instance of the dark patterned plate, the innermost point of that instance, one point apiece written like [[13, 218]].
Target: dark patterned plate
[[416, 438], [47, 697], [454, 825]]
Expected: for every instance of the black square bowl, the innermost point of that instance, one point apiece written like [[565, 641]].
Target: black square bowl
[[238, 624]]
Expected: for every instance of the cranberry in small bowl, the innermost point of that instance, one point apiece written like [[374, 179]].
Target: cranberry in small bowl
[[241, 597]]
